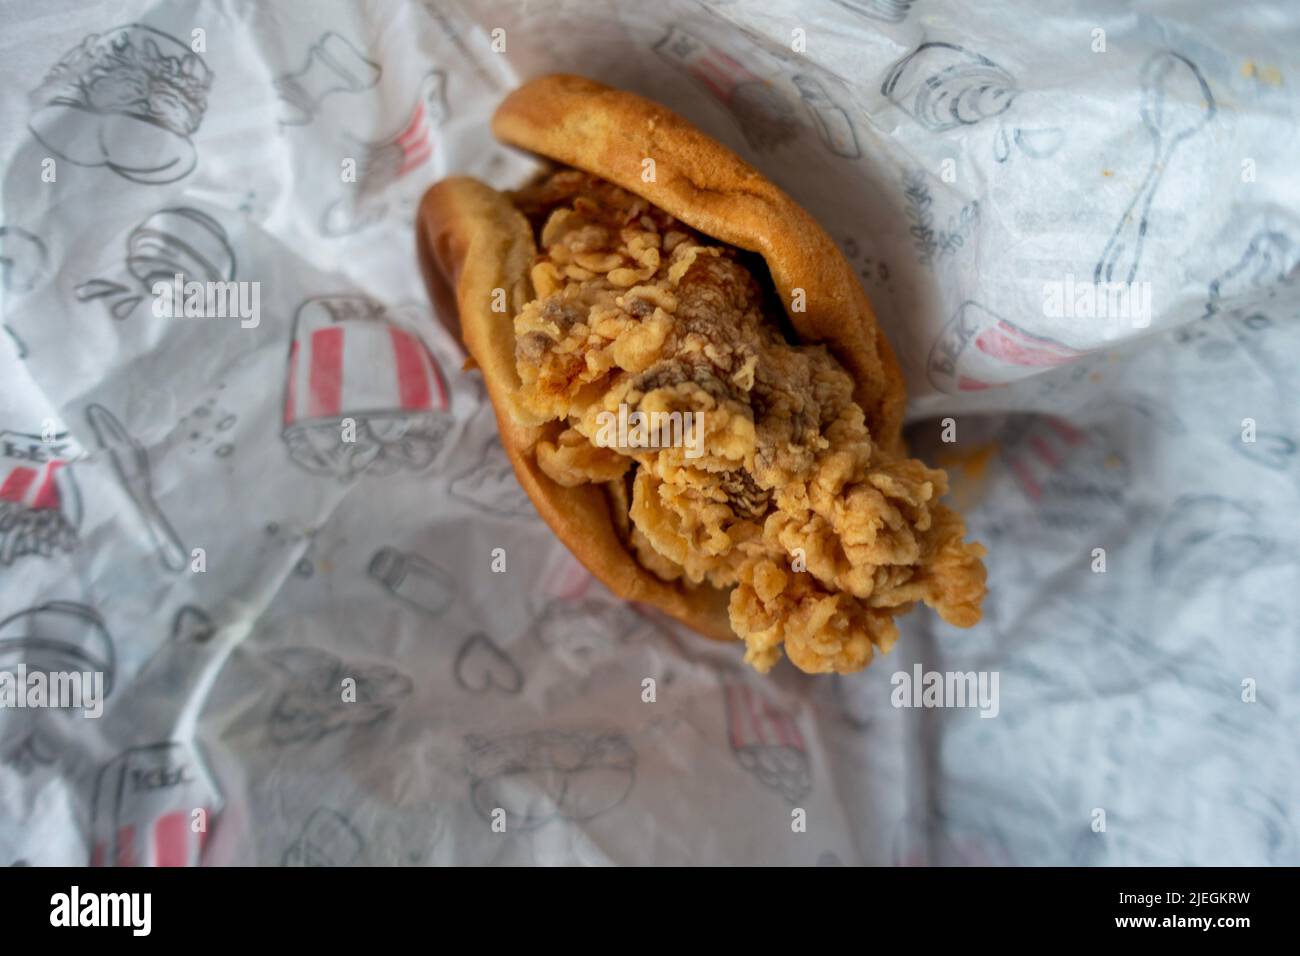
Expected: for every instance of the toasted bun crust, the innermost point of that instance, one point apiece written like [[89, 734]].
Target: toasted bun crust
[[473, 241], [609, 133], [476, 241]]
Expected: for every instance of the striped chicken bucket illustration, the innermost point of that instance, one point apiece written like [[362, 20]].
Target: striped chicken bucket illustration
[[766, 741], [979, 349], [154, 806], [40, 508], [1039, 450], [765, 117], [364, 392]]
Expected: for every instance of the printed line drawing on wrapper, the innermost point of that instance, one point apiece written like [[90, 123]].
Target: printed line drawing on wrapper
[[1270, 449], [888, 11], [1203, 538], [490, 485], [20, 347], [312, 705], [979, 349], [482, 665], [352, 360], [412, 579], [831, 120], [1169, 120], [40, 504], [327, 838], [192, 624], [1270, 260], [1077, 480], [1242, 296], [131, 465], [579, 629], [383, 162], [154, 806], [129, 99], [765, 118], [766, 740], [945, 87], [181, 241], [549, 775], [1035, 447], [333, 65], [929, 242], [54, 637], [23, 259]]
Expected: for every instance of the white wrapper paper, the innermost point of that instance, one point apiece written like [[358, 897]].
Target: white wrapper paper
[[967, 161]]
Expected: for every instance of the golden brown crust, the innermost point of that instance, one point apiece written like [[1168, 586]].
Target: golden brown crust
[[609, 133], [473, 239]]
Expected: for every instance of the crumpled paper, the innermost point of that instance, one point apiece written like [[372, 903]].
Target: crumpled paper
[[376, 653]]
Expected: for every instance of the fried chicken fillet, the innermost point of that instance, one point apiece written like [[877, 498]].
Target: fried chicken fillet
[[794, 519]]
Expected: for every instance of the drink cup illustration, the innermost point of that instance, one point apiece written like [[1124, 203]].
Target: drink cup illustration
[[382, 163], [333, 66]]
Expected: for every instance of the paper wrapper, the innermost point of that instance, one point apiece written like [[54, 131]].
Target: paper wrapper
[[328, 652]]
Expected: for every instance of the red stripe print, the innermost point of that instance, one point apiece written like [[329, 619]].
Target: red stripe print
[[1068, 432], [325, 380], [1045, 451], [412, 382], [796, 738], [17, 483], [416, 158], [1027, 482], [126, 855], [784, 727], [48, 496], [435, 375], [714, 79], [735, 709], [171, 840], [734, 67], [1020, 348], [415, 128], [755, 708]]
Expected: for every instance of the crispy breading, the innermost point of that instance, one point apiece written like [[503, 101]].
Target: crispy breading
[[820, 535]]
